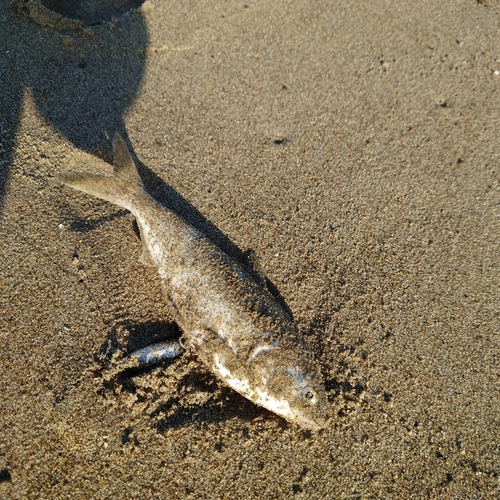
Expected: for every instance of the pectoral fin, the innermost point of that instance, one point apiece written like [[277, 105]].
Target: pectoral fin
[[147, 357]]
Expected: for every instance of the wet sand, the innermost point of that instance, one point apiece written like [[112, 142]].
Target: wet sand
[[355, 148]]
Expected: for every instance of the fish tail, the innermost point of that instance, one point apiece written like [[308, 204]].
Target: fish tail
[[122, 188]]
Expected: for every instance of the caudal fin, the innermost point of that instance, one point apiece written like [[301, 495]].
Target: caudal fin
[[121, 188]]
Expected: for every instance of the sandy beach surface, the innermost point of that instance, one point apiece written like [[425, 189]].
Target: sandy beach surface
[[353, 146]]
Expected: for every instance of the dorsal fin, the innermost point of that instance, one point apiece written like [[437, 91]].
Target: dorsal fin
[[123, 163]]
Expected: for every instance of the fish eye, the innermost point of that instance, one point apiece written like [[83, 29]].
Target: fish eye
[[309, 395]]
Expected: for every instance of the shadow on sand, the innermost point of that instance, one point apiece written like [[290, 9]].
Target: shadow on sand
[[83, 62]]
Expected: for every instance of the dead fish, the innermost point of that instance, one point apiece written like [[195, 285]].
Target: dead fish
[[234, 324]]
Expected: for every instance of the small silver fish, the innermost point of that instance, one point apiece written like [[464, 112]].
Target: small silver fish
[[234, 325]]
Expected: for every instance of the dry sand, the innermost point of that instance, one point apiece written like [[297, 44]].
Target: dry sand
[[354, 146]]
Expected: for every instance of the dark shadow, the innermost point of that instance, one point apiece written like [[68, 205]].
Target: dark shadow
[[80, 225], [84, 66], [151, 332], [224, 405], [5, 475]]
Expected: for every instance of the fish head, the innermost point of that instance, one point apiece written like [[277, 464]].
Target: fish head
[[288, 384]]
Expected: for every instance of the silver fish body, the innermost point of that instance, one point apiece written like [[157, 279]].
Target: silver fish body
[[236, 327]]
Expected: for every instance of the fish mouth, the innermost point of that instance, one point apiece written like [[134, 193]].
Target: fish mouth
[[312, 425]]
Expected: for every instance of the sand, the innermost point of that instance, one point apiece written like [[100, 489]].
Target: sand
[[353, 146]]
